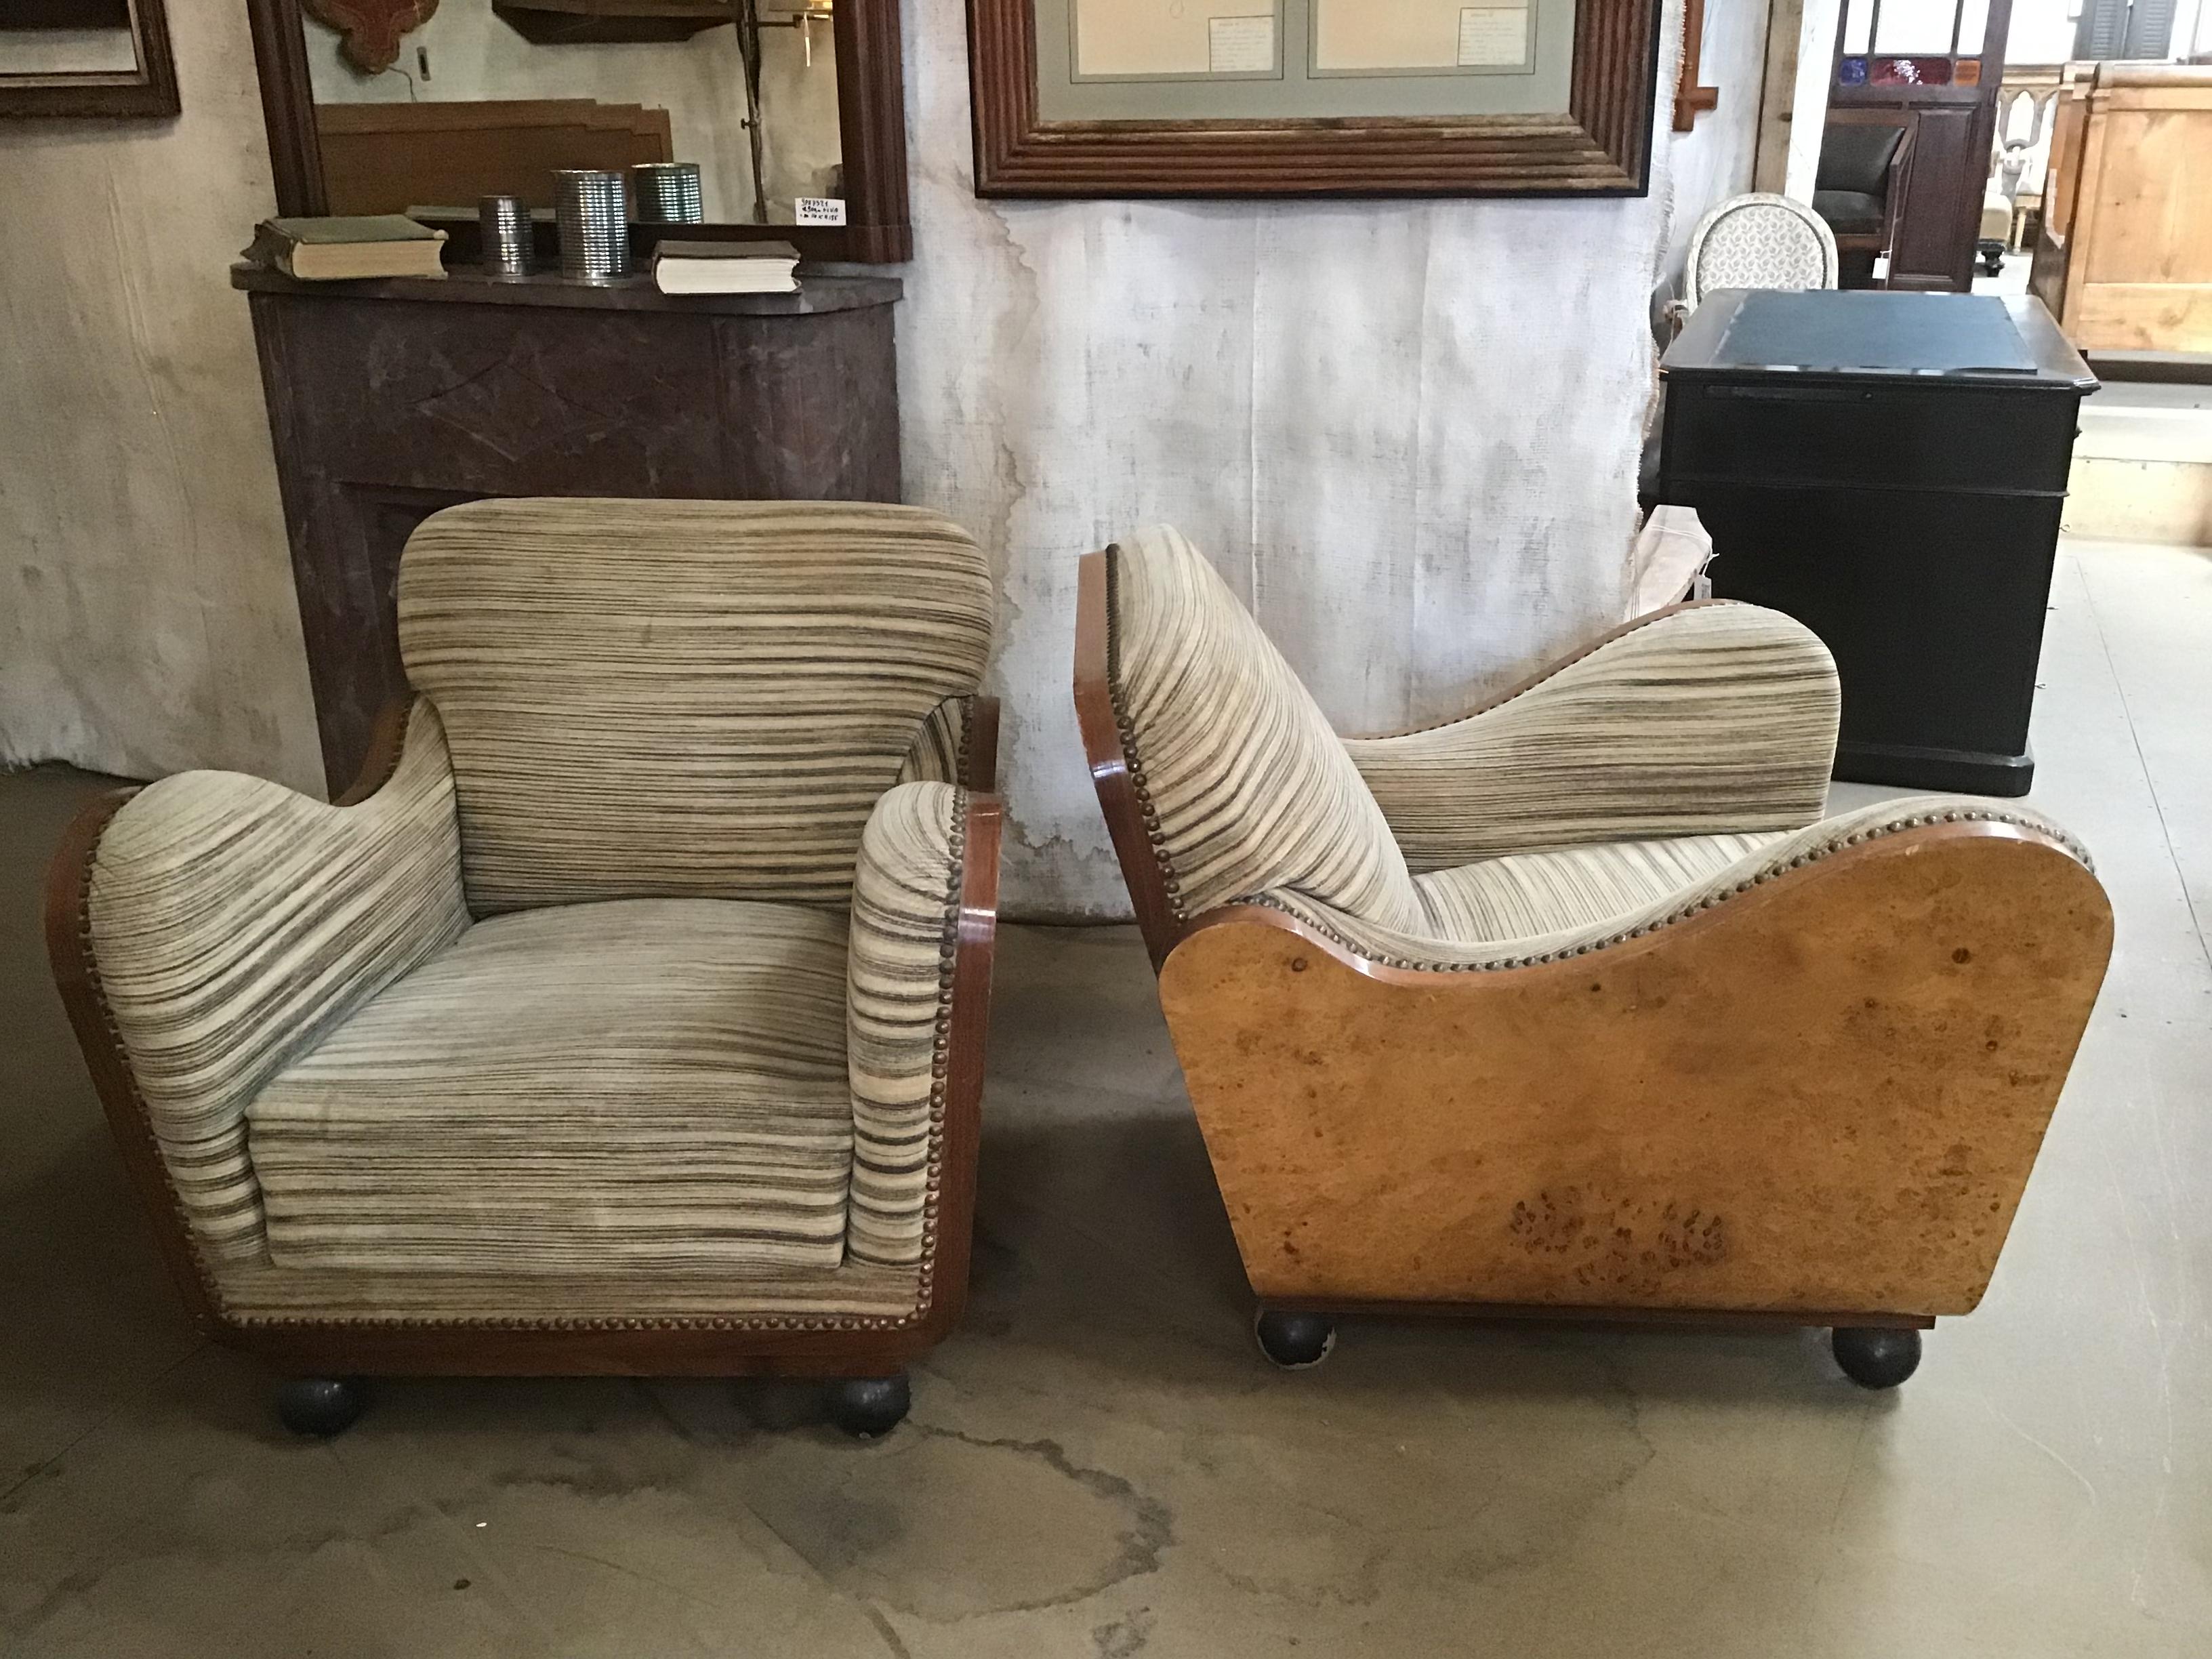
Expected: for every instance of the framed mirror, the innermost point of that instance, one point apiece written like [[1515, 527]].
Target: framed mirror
[[792, 110], [1130, 98], [86, 57]]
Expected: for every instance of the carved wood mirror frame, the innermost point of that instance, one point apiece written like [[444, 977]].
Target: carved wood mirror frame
[[1600, 146], [148, 88], [870, 116]]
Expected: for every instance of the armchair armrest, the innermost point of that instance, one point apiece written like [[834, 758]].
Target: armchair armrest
[[207, 929], [1930, 817], [925, 916], [1815, 1084], [958, 743], [1702, 720]]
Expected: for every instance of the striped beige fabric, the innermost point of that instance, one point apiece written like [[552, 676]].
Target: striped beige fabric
[[1570, 922], [941, 745], [234, 923], [906, 918], [1717, 718], [1532, 893], [640, 1085], [1247, 788], [263, 1294], [682, 699]]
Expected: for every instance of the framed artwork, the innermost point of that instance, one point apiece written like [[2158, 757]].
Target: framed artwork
[[1127, 98], [86, 57]]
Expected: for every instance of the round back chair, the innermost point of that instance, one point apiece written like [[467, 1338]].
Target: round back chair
[[1759, 241]]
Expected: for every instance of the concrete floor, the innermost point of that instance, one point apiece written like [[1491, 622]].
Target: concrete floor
[[1099, 1464]]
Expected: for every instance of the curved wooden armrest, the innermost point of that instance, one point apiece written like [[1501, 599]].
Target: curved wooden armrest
[[979, 767], [1822, 1095]]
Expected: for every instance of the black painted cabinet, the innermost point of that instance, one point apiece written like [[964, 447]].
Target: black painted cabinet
[[1889, 469]]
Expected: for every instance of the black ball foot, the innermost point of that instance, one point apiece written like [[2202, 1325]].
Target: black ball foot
[[1876, 1359], [318, 1405], [869, 1407], [1294, 1341]]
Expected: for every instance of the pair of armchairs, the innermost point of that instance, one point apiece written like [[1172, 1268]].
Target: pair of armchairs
[[629, 1017]]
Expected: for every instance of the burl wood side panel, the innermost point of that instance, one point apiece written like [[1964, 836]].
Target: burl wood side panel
[[1823, 1095]]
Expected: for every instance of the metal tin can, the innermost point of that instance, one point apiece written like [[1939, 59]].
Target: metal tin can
[[592, 207]]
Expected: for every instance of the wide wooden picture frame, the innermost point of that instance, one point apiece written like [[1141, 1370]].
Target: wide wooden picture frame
[[1601, 145]]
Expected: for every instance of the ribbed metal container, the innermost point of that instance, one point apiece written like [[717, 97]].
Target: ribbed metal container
[[506, 224], [593, 211], [668, 192]]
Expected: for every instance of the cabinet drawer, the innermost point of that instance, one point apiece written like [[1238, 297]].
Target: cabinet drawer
[[1887, 436]]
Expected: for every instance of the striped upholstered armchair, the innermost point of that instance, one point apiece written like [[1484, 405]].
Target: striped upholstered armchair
[[1577, 1004], [629, 1017]]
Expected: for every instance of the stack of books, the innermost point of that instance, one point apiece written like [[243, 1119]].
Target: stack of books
[[334, 250], [725, 268]]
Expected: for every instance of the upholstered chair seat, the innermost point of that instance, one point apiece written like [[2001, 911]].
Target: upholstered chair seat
[[1578, 1001], [630, 1016]]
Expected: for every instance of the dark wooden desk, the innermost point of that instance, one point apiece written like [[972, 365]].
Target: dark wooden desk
[[1868, 465], [388, 400]]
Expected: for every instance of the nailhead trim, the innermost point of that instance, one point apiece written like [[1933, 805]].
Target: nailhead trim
[[1709, 902]]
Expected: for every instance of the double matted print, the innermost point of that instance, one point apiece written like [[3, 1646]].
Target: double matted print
[[1312, 97]]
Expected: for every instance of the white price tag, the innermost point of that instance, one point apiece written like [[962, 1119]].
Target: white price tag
[[1241, 46], [1493, 36], [821, 210]]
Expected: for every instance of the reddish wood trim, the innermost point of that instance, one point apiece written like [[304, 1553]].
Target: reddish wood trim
[[1143, 870], [150, 90], [979, 763], [337, 1347], [68, 947], [1601, 146], [387, 742], [870, 121], [966, 1048], [1518, 1313], [1691, 97]]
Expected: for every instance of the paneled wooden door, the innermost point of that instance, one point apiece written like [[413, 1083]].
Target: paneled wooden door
[[1937, 66]]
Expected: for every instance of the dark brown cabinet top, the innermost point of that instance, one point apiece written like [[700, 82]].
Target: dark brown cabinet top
[[466, 285]]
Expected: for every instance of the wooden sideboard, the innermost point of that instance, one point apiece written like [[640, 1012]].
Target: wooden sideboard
[[389, 400], [2124, 257]]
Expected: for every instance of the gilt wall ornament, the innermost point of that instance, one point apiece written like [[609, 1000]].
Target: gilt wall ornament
[[370, 30]]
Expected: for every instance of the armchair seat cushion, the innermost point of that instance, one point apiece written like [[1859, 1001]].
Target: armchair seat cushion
[[653, 1085], [1529, 894], [1849, 212]]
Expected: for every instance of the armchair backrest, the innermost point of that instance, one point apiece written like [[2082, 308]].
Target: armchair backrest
[[682, 699], [1242, 784], [1759, 241], [1856, 156]]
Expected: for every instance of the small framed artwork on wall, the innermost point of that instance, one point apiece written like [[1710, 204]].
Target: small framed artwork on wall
[[86, 57], [1128, 98]]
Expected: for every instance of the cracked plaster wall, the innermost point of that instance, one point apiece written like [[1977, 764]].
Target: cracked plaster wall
[[1407, 431]]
